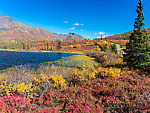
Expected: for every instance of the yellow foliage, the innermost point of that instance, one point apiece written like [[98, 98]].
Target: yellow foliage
[[58, 80], [110, 72], [98, 49], [71, 46], [19, 88], [84, 75], [119, 61], [105, 56], [121, 56]]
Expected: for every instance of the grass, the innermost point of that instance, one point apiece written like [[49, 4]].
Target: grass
[[79, 61]]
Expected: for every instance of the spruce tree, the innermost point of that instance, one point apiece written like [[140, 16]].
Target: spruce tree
[[59, 46], [23, 44], [137, 52], [47, 46], [28, 45]]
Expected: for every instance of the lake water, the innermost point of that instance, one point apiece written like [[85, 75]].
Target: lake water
[[11, 58]]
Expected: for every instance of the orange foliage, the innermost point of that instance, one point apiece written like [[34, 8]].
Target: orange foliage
[[78, 46]]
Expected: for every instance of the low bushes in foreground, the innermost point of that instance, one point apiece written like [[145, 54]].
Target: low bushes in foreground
[[107, 91], [18, 104]]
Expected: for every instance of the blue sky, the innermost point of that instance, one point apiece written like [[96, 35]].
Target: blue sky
[[84, 17]]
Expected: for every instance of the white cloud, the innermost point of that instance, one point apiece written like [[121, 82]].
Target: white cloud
[[73, 28], [101, 33], [95, 33], [76, 24], [65, 22]]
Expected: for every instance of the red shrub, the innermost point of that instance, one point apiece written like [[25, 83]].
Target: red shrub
[[71, 99]]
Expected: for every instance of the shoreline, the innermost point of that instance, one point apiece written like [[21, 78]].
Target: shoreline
[[16, 50]]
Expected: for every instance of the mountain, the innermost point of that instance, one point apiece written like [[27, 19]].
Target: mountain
[[123, 36], [11, 29], [14, 30], [70, 36]]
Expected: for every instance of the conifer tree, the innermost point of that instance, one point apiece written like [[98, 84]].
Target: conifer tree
[[28, 45], [137, 52], [23, 44], [51, 48], [59, 46], [47, 46]]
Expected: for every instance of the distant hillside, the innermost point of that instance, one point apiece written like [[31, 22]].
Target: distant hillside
[[124, 36], [14, 30], [70, 36]]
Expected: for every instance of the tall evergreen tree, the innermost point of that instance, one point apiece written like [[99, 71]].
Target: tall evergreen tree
[[138, 49]]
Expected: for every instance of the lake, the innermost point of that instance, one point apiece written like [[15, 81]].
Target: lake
[[12, 58]]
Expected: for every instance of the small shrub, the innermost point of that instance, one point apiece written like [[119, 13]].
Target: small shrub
[[108, 72], [71, 46], [105, 47], [78, 46]]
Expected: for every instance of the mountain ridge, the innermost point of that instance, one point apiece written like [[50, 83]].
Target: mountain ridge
[[70, 36], [123, 36], [14, 30]]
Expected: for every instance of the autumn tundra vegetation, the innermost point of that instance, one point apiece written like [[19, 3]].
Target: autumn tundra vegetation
[[99, 79]]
